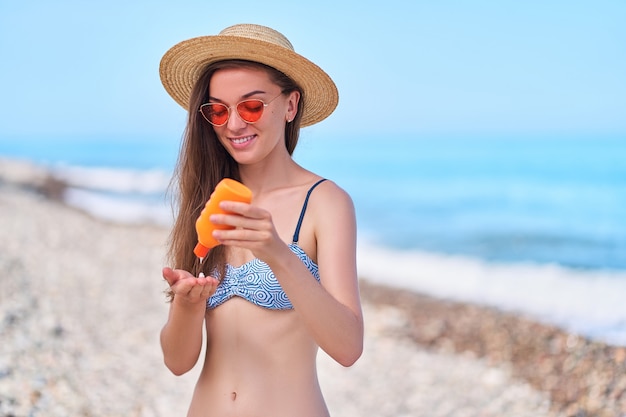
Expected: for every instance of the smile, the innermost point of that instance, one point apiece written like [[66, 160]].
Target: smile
[[240, 141]]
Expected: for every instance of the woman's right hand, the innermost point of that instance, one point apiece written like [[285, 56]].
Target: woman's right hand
[[188, 289], [181, 337]]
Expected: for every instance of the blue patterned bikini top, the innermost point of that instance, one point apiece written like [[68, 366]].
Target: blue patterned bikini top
[[254, 281]]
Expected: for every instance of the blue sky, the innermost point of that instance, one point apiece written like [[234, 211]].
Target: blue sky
[[81, 68]]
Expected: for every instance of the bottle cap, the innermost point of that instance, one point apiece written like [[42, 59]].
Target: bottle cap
[[200, 250]]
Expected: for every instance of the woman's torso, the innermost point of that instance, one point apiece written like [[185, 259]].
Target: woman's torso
[[260, 361]]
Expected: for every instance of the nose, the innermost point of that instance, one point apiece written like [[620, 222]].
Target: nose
[[235, 122]]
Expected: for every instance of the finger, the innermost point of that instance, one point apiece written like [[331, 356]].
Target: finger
[[172, 276], [195, 291], [208, 284], [202, 291], [242, 209], [233, 220], [241, 235], [207, 291], [184, 287]]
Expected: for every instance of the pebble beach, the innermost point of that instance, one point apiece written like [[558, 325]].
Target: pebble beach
[[82, 303]]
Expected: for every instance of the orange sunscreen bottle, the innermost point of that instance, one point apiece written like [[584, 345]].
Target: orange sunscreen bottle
[[227, 190]]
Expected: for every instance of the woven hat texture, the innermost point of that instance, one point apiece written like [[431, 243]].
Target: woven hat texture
[[182, 65]]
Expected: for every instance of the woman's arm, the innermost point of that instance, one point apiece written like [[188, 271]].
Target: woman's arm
[[331, 311], [181, 337]]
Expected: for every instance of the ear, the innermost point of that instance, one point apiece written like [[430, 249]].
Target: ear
[[292, 106]]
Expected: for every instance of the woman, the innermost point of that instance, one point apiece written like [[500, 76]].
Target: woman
[[283, 282]]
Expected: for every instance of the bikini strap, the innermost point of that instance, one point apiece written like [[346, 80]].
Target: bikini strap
[[296, 235]]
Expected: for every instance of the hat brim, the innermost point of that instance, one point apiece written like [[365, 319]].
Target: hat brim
[[182, 65]]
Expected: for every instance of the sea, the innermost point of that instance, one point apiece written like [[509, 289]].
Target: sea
[[534, 225]]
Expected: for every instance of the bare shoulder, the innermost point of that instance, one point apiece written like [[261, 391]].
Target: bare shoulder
[[335, 241], [329, 194], [331, 204]]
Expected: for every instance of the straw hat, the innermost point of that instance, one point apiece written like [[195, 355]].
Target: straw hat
[[183, 64]]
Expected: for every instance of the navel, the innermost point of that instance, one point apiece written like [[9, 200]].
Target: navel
[[233, 395]]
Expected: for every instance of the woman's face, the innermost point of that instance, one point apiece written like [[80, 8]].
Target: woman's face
[[250, 143]]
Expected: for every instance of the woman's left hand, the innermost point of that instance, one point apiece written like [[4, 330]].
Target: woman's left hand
[[253, 229]]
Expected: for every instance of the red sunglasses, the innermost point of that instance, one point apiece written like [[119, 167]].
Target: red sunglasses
[[249, 110]]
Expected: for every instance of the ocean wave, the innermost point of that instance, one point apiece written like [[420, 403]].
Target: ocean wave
[[120, 208], [590, 303], [114, 179], [129, 196]]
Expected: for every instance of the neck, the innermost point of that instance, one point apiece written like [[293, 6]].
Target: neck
[[271, 173]]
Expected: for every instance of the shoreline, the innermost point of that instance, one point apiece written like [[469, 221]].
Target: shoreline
[[72, 319], [581, 376]]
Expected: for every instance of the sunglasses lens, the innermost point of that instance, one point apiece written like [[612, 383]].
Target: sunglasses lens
[[250, 110], [215, 113]]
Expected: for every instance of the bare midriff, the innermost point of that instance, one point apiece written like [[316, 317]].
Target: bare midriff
[[259, 362]]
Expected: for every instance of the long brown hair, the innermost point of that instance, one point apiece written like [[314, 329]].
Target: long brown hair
[[203, 162]]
